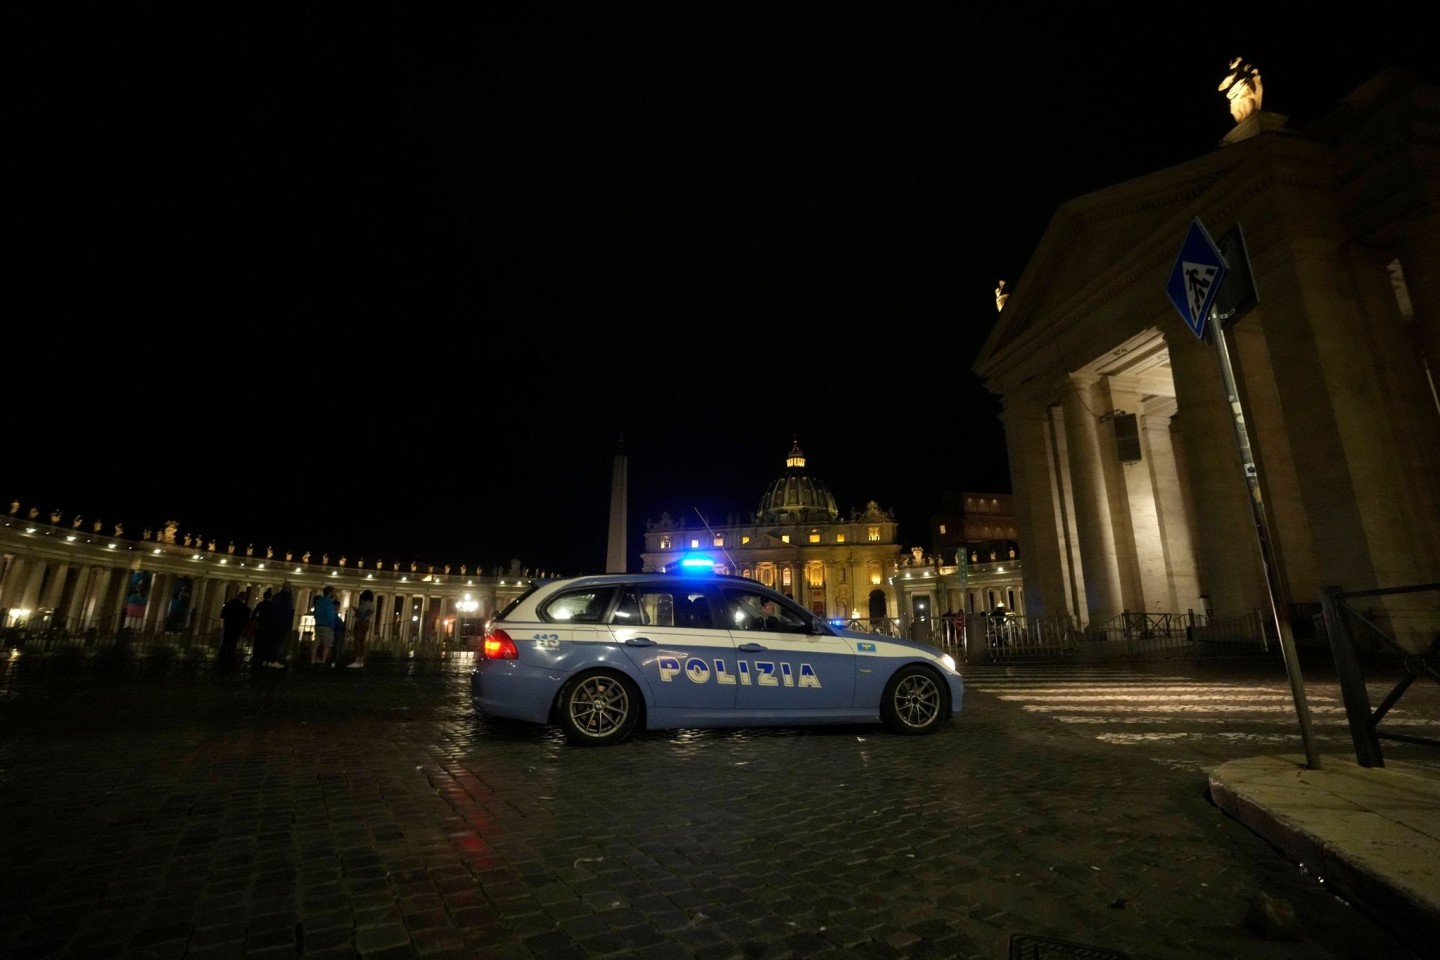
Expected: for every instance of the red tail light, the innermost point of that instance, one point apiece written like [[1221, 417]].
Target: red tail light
[[498, 646]]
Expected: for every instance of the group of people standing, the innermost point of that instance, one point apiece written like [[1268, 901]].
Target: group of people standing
[[268, 625]]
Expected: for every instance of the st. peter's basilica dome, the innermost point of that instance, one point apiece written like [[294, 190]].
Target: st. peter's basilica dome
[[796, 496]]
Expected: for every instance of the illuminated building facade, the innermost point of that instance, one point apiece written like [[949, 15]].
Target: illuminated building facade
[[81, 586], [796, 542], [1131, 489]]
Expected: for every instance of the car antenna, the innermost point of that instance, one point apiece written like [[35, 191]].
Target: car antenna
[[713, 538]]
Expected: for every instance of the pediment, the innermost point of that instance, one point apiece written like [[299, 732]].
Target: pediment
[[1117, 242]]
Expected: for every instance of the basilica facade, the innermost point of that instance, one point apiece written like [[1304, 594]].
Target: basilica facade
[[852, 567]]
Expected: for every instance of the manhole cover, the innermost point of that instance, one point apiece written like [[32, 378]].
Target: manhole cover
[[1023, 946]]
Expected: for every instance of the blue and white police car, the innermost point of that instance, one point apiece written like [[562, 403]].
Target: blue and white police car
[[601, 656]]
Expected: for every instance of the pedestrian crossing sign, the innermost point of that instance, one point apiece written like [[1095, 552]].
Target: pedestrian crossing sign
[[1196, 277]]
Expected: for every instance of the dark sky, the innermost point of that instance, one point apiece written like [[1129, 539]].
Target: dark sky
[[395, 288]]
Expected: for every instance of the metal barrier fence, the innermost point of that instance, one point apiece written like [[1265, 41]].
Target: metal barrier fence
[[1340, 617], [1014, 637]]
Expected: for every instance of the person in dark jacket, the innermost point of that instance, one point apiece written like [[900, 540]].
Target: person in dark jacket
[[263, 619], [233, 615], [339, 636], [281, 616]]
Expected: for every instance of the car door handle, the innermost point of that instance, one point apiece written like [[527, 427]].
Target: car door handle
[[639, 642], [752, 647]]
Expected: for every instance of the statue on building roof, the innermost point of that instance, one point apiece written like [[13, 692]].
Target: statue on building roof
[[325, 559], [55, 517], [1242, 87], [269, 553], [1000, 297], [95, 527], [305, 557], [171, 527], [14, 507], [120, 530], [231, 549], [75, 524]]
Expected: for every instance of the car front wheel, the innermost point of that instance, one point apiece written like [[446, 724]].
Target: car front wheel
[[915, 701], [597, 709]]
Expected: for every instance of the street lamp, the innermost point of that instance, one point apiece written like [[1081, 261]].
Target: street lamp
[[465, 606]]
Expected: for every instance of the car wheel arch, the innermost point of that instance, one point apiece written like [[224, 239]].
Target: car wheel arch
[[633, 686], [916, 699]]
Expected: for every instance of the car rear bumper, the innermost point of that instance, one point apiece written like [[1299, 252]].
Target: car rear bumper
[[506, 688]]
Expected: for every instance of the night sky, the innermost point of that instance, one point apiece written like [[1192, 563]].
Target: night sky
[[395, 289]]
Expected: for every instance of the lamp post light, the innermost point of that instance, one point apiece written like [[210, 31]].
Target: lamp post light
[[465, 606]]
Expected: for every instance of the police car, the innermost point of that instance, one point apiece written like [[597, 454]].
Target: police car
[[601, 656]]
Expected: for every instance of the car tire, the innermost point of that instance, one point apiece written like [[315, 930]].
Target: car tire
[[915, 701], [598, 708]]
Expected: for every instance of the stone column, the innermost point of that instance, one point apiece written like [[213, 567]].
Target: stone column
[[1101, 585], [158, 606], [1041, 506], [405, 628], [1181, 586], [1222, 526], [35, 577], [12, 579], [52, 594], [74, 611]]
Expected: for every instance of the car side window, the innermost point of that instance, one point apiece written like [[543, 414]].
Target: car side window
[[694, 612], [749, 610], [657, 606], [629, 612], [580, 606]]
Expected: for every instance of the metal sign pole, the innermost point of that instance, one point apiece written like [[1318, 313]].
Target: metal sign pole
[[1279, 603]]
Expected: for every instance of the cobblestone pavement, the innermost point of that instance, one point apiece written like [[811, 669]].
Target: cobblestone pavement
[[190, 812]]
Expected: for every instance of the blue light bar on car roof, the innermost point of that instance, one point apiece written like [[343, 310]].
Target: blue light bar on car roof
[[695, 564]]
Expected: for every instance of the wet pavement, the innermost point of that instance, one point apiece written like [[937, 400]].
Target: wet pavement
[[190, 812]]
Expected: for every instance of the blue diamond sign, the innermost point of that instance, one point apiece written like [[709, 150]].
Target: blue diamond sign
[[1196, 277]]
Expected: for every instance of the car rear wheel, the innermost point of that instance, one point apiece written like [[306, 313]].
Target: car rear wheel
[[915, 701], [598, 708]]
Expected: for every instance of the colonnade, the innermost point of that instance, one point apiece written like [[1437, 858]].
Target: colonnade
[[62, 582]]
